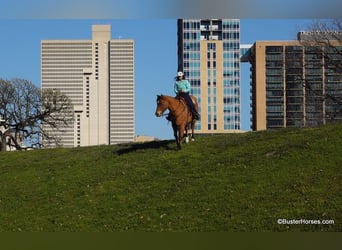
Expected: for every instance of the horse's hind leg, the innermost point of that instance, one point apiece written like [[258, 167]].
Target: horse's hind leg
[[181, 131], [193, 130]]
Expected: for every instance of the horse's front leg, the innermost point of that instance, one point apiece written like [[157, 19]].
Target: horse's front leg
[[175, 134]]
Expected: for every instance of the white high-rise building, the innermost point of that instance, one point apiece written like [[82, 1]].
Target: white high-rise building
[[98, 76]]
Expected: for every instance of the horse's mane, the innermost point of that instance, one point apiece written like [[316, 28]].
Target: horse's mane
[[161, 96]]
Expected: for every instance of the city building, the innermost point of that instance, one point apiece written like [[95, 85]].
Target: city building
[[98, 76], [145, 138], [295, 83], [209, 56]]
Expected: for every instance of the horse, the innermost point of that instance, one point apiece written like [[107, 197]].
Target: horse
[[180, 115]]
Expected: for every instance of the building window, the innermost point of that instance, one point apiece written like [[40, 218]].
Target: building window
[[78, 122]]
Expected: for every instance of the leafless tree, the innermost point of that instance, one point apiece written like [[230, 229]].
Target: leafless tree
[[24, 108], [325, 38], [323, 49]]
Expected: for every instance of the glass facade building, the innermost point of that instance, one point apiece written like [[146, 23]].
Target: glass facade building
[[209, 56], [295, 85]]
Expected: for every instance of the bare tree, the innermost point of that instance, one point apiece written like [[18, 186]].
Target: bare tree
[[322, 79], [325, 38], [24, 108]]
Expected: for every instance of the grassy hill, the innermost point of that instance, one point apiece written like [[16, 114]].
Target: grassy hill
[[233, 182]]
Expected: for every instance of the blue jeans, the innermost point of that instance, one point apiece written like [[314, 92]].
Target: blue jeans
[[189, 102]]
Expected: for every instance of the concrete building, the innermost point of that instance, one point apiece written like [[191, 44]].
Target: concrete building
[[295, 84], [209, 56], [98, 76]]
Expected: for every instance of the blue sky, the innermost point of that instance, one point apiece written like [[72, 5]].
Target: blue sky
[[155, 55], [152, 24]]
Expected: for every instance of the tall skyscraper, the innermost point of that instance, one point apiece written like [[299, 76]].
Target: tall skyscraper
[[295, 84], [98, 76], [209, 56]]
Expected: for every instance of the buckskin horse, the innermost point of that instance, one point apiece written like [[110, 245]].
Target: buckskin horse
[[180, 115]]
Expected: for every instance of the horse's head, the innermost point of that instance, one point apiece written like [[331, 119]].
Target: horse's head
[[162, 105]]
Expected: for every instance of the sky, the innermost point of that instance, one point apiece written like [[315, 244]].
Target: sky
[[153, 27], [155, 56]]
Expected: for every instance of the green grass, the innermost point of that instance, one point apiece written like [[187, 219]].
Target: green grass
[[232, 182]]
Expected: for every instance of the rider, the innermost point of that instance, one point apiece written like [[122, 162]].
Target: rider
[[182, 89]]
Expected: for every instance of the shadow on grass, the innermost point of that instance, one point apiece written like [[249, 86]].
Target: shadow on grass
[[129, 148]]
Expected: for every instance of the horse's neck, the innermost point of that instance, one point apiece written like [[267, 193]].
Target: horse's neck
[[175, 105]]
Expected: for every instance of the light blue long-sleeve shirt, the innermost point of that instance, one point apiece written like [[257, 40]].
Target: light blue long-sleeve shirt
[[182, 86]]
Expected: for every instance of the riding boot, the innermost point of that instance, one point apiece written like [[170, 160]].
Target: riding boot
[[196, 115]]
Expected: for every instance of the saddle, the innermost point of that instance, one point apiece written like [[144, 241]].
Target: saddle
[[181, 98], [192, 110]]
